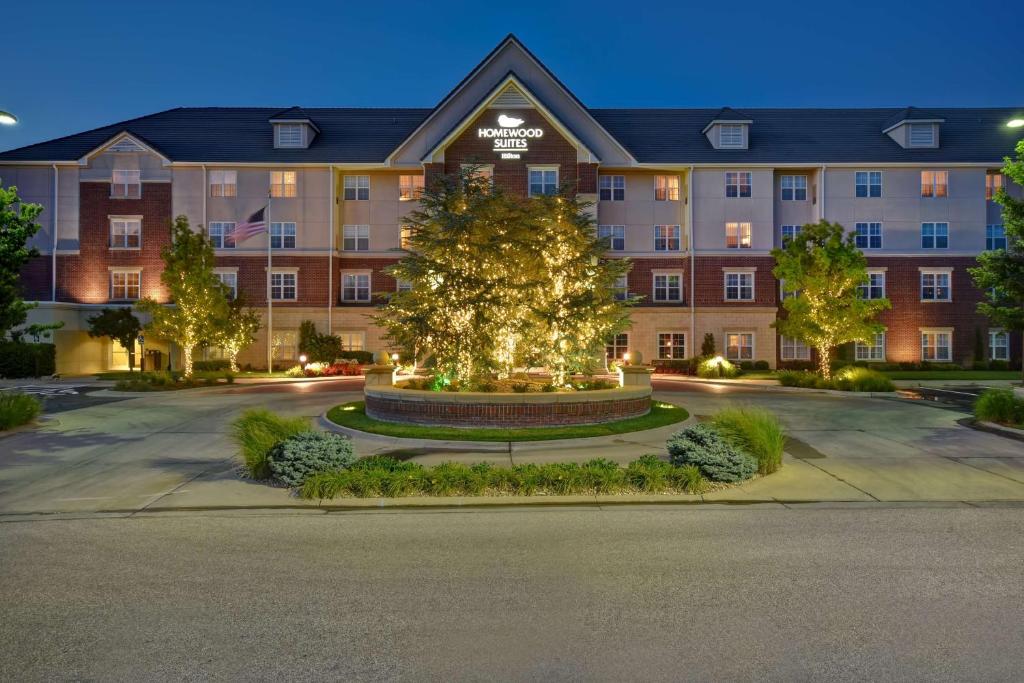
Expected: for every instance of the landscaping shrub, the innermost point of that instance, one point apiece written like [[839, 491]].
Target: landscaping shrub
[[361, 357], [801, 378], [717, 459], [754, 431], [257, 431], [297, 457], [761, 365], [1000, 405], [710, 369], [746, 365], [861, 379], [21, 359], [216, 365], [677, 366], [17, 409]]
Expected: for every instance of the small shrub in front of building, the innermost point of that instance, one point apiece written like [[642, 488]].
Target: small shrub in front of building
[[755, 431], [717, 367], [257, 431], [17, 409], [293, 460], [1001, 406], [851, 378], [22, 359], [701, 445]]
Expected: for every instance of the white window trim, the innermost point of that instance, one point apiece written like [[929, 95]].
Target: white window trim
[[936, 331], [222, 247], [369, 282], [110, 232], [993, 331], [753, 345], [415, 190], [722, 144], [881, 234], [881, 184], [783, 346], [935, 184], [669, 187], [678, 237], [739, 234], [229, 271], [285, 271], [655, 274], [352, 333], [794, 176], [223, 184], [356, 226], [726, 272], [541, 167], [356, 187], [657, 343], [922, 271], [137, 270], [611, 179], [138, 176], [283, 185], [270, 235], [280, 143]]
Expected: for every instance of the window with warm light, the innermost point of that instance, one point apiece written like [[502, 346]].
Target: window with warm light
[[126, 184], [739, 346], [404, 237], [934, 183], [737, 235], [410, 187], [666, 188], [283, 184], [738, 183], [125, 285], [994, 181], [223, 183], [352, 341], [125, 233], [671, 345], [666, 238]]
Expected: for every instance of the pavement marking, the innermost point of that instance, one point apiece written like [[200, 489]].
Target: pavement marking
[[42, 390]]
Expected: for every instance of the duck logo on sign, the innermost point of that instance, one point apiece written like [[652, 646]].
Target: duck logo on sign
[[509, 137]]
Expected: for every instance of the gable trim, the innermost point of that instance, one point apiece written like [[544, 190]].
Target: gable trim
[[123, 135]]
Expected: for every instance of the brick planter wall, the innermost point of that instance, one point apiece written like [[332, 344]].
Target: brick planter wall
[[505, 410]]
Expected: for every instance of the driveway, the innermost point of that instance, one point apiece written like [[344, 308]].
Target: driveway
[[171, 450]]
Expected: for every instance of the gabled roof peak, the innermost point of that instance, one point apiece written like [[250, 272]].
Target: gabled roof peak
[[910, 115]]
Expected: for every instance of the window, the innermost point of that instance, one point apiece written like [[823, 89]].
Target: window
[[671, 345], [126, 184], [737, 235], [357, 188], [404, 236], [125, 233], [617, 346], [794, 349], [794, 188], [739, 346], [998, 345], [282, 286], [934, 183], [922, 135], [282, 184], [615, 234], [874, 288], [995, 237], [666, 188], [612, 188], [869, 235], [668, 287], [409, 187], [994, 181], [355, 287], [666, 238], [403, 286], [356, 238], [543, 181], [352, 341], [124, 285], [786, 293], [223, 183], [874, 350], [230, 280], [730, 135], [868, 183], [285, 344], [789, 232], [282, 235], [737, 184], [935, 286], [288, 135], [621, 288], [222, 235], [739, 286], [936, 345], [934, 235]]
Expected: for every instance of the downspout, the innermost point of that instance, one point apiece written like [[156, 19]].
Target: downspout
[[693, 262], [56, 226], [821, 197], [206, 190], [330, 252]]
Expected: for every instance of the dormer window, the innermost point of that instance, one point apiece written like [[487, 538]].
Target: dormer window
[[922, 135], [912, 128], [289, 135], [729, 129], [730, 136]]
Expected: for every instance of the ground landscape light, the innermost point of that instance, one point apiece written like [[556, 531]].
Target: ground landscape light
[[7, 118]]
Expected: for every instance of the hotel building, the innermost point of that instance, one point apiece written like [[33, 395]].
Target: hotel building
[[696, 198]]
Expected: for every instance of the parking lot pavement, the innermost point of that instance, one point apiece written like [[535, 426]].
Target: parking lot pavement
[[64, 396]]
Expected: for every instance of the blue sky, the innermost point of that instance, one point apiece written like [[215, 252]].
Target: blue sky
[[75, 65]]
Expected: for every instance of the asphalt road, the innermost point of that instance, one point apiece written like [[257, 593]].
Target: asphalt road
[[663, 593]]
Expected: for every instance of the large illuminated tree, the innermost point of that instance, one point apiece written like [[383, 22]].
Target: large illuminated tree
[[198, 298], [237, 330], [499, 282], [825, 269]]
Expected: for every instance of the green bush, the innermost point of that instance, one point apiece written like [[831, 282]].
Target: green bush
[[293, 460], [801, 378], [257, 431], [701, 445], [761, 365], [755, 431], [1000, 405], [711, 368], [861, 379], [17, 409], [361, 357], [218, 364], [20, 359]]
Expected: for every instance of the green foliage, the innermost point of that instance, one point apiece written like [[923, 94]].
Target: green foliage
[[711, 368], [703, 446], [17, 226], [119, 324], [851, 378], [211, 365], [500, 281], [163, 380], [361, 357], [802, 379], [20, 359], [754, 431], [296, 458], [1000, 405], [825, 268], [383, 476], [236, 330], [707, 347], [199, 297], [257, 431], [17, 409]]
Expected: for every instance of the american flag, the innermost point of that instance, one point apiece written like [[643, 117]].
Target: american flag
[[253, 226]]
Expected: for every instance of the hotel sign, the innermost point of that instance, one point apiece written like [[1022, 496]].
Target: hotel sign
[[510, 138]]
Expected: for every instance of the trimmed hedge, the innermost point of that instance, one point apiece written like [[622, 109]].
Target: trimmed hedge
[[21, 359]]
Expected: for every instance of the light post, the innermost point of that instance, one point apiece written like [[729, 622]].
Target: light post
[[7, 118], [1015, 123]]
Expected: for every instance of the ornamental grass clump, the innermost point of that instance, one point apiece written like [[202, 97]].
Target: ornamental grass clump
[[17, 409], [754, 431], [1000, 405], [861, 379], [704, 447], [293, 460], [257, 431]]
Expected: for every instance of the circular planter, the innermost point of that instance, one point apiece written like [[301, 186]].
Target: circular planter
[[477, 409]]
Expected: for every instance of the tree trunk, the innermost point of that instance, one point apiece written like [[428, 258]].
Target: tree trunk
[[187, 353], [233, 359], [825, 362], [131, 356]]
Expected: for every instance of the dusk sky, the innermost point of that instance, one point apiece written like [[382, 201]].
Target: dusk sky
[[73, 66]]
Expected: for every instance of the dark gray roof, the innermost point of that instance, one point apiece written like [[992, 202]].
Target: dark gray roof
[[810, 136], [240, 135], [910, 114]]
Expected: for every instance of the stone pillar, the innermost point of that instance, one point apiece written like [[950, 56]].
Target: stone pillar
[[379, 376], [633, 376]]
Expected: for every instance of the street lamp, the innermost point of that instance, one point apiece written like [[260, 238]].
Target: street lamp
[[1015, 123], [7, 118]]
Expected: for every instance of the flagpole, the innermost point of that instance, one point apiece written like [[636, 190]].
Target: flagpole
[[270, 304]]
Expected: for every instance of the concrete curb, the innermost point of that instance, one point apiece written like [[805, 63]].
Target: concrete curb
[[993, 428], [774, 388]]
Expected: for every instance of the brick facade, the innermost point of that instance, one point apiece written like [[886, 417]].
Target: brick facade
[[641, 280], [709, 276]]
